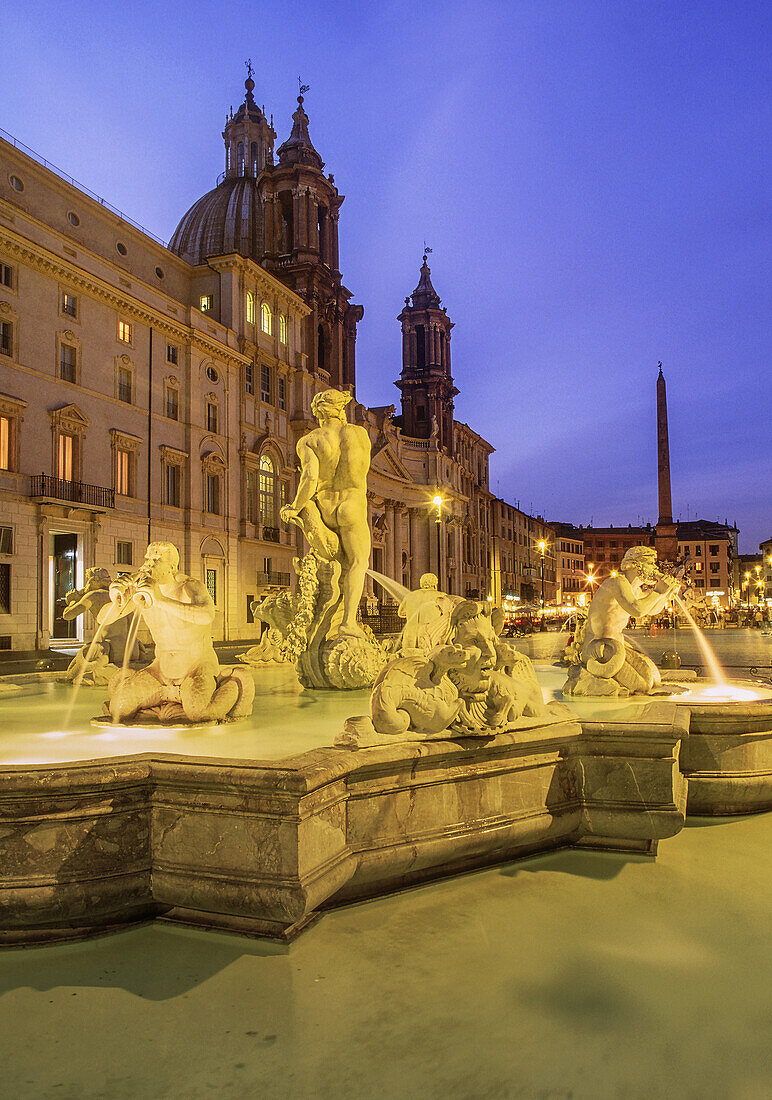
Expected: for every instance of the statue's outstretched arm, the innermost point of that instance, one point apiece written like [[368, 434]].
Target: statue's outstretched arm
[[649, 604], [199, 611], [309, 476]]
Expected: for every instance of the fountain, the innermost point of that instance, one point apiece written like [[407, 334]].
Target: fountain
[[442, 752]]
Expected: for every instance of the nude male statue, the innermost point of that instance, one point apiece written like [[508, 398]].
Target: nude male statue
[[330, 506], [615, 667], [179, 612]]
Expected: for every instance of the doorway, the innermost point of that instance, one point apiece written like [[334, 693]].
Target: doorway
[[64, 567]]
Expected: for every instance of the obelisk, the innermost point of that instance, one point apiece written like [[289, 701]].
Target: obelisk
[[666, 535]]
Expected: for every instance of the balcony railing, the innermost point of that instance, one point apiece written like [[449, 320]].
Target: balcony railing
[[74, 492], [280, 579]]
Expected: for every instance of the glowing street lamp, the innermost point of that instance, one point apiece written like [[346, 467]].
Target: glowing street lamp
[[438, 502]]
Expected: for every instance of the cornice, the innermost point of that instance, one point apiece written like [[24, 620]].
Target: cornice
[[42, 260]]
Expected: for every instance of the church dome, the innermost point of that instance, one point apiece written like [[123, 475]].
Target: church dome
[[227, 219]]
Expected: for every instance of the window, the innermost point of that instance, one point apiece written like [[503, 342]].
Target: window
[[282, 386], [6, 427], [172, 484], [6, 540], [714, 549], [250, 308], [171, 354], [68, 362], [697, 551], [211, 373], [715, 566], [211, 417], [213, 494], [69, 304], [282, 329], [266, 319], [123, 473], [249, 378], [715, 582], [6, 276], [73, 218], [5, 588], [267, 491], [123, 552], [6, 338], [211, 584], [122, 249], [205, 303], [64, 456], [265, 383], [124, 384], [172, 402], [124, 332]]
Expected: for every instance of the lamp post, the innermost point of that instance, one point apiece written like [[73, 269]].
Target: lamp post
[[748, 588], [437, 501], [542, 547]]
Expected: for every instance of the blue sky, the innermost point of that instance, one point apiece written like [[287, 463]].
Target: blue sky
[[592, 178]]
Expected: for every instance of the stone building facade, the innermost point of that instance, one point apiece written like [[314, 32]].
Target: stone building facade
[[517, 558], [151, 392]]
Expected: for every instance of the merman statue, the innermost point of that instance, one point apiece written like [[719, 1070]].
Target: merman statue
[[606, 664], [184, 683]]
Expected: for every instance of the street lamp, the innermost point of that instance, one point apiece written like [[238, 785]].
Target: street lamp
[[748, 587], [542, 547], [437, 501]]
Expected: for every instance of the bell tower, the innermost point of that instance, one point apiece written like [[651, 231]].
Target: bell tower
[[302, 207], [248, 137], [426, 384]]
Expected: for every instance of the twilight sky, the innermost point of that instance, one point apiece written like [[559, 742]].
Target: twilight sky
[[592, 177]]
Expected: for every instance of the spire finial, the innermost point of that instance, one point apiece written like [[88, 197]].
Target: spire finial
[[301, 89], [660, 370], [249, 83]]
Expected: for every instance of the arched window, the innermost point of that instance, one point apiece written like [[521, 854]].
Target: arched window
[[282, 329], [267, 491], [253, 157], [250, 308], [240, 158], [267, 319]]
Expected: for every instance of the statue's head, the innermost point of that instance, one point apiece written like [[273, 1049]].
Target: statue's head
[[428, 580], [643, 559], [97, 578], [473, 629], [330, 405], [162, 560]]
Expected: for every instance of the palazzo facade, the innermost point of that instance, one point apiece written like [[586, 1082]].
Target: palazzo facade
[[157, 393]]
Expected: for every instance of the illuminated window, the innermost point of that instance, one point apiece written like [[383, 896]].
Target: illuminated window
[[283, 329], [6, 427], [250, 308], [123, 473], [252, 496], [68, 362], [267, 491], [266, 317], [6, 338], [6, 540], [64, 456], [69, 304], [265, 383], [205, 303], [124, 332]]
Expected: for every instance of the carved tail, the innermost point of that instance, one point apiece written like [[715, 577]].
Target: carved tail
[[605, 657]]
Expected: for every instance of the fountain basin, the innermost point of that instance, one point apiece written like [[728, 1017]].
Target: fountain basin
[[258, 826]]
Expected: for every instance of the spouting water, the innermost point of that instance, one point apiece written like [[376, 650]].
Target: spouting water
[[709, 656], [113, 613]]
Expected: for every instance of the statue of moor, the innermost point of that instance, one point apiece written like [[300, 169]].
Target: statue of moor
[[330, 506]]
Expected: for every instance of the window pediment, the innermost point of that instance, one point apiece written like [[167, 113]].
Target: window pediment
[[70, 418]]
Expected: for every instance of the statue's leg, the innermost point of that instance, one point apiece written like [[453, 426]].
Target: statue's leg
[[355, 541], [202, 700], [134, 692]]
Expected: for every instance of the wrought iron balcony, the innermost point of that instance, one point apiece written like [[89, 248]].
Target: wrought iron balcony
[[46, 487], [280, 579]]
